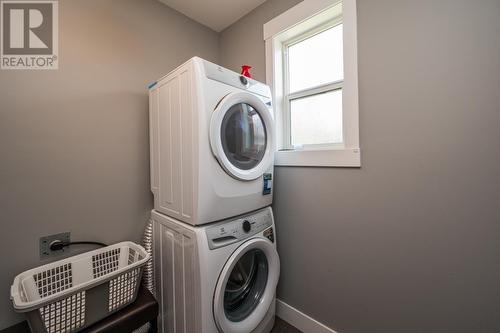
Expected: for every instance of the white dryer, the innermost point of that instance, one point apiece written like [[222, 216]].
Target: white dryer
[[212, 143], [217, 278]]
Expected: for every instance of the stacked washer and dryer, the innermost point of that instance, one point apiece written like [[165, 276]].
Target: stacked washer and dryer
[[214, 240]]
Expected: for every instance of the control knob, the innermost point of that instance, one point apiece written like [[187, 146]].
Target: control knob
[[246, 226]]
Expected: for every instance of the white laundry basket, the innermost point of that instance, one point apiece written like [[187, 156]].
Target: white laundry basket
[[71, 294]]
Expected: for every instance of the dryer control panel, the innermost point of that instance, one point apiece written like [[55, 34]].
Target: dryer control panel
[[224, 75], [228, 232]]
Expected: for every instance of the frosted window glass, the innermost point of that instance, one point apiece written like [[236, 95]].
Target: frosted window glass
[[317, 119], [316, 60]]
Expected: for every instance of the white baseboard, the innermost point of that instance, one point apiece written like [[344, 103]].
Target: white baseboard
[[300, 320]]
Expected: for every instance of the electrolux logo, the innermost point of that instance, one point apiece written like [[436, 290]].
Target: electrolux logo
[[29, 34]]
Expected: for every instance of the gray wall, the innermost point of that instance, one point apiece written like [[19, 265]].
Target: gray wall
[[74, 148], [409, 242], [242, 43]]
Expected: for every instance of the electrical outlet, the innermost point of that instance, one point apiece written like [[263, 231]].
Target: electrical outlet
[[45, 242]]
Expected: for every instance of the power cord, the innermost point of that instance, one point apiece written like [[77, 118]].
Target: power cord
[[59, 245]]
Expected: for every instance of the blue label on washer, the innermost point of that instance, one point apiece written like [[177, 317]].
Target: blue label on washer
[[268, 183]]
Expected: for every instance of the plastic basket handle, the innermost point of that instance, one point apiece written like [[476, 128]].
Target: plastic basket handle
[[14, 295]]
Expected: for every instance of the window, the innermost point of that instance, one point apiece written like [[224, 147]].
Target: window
[[312, 69], [313, 81]]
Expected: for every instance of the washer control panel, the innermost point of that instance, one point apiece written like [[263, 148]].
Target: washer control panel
[[228, 232]]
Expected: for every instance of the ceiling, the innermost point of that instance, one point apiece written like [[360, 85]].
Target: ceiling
[[215, 14]]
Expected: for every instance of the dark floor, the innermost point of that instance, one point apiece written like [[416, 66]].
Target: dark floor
[[281, 326], [18, 328]]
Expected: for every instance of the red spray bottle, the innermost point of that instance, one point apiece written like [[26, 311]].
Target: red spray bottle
[[245, 71]]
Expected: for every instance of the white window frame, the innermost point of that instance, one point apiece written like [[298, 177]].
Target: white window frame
[[300, 22]]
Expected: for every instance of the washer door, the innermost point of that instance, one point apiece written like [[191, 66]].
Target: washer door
[[242, 135], [246, 287]]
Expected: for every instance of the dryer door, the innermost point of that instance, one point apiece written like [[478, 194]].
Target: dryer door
[[246, 287], [242, 135]]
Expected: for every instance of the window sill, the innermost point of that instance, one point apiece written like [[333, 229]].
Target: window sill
[[345, 157]]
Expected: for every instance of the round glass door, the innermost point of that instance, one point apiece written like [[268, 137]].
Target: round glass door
[[241, 135], [246, 286]]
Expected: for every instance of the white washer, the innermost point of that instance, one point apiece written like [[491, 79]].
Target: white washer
[[212, 143], [217, 278]]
